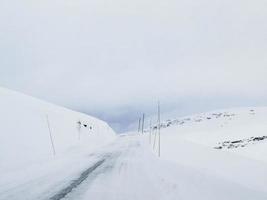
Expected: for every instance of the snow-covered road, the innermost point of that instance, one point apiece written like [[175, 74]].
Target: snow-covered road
[[125, 170]]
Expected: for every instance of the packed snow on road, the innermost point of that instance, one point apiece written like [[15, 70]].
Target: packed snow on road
[[52, 153]]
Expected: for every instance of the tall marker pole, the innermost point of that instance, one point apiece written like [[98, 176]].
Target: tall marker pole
[[139, 124], [150, 132], [155, 138], [159, 126], [50, 134], [143, 123]]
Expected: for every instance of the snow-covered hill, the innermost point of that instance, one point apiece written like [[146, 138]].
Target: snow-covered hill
[[232, 129], [230, 144], [25, 138], [191, 166]]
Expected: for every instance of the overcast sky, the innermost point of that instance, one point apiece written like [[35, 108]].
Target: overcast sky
[[116, 58]]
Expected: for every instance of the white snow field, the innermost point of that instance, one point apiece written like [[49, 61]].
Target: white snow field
[[229, 144], [25, 143], [95, 164]]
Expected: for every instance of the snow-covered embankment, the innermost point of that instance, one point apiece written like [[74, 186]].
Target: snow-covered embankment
[[25, 138], [228, 144]]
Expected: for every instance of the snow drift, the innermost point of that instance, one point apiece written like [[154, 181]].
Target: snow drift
[[25, 137], [235, 130], [230, 144]]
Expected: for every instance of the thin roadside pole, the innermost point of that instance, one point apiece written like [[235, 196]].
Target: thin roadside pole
[[143, 123], [139, 125], [150, 132], [159, 127], [79, 129], [50, 134], [155, 138]]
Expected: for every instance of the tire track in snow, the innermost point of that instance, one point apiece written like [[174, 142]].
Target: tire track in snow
[[75, 183], [105, 163]]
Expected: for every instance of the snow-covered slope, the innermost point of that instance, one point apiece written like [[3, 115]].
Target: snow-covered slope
[[230, 144], [25, 137], [232, 129], [189, 167]]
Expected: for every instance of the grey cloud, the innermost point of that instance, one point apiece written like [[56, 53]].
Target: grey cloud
[[115, 58]]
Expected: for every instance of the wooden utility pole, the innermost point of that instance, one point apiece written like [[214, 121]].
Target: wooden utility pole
[[159, 127], [143, 123]]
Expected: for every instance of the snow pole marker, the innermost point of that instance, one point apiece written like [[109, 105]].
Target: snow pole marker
[[50, 134], [150, 132], [143, 123], [159, 128], [155, 138], [79, 129], [139, 124]]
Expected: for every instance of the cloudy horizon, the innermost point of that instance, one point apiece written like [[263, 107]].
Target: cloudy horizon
[[116, 59]]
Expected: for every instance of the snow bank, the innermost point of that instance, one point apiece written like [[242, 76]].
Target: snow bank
[[25, 137], [218, 126], [193, 141]]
